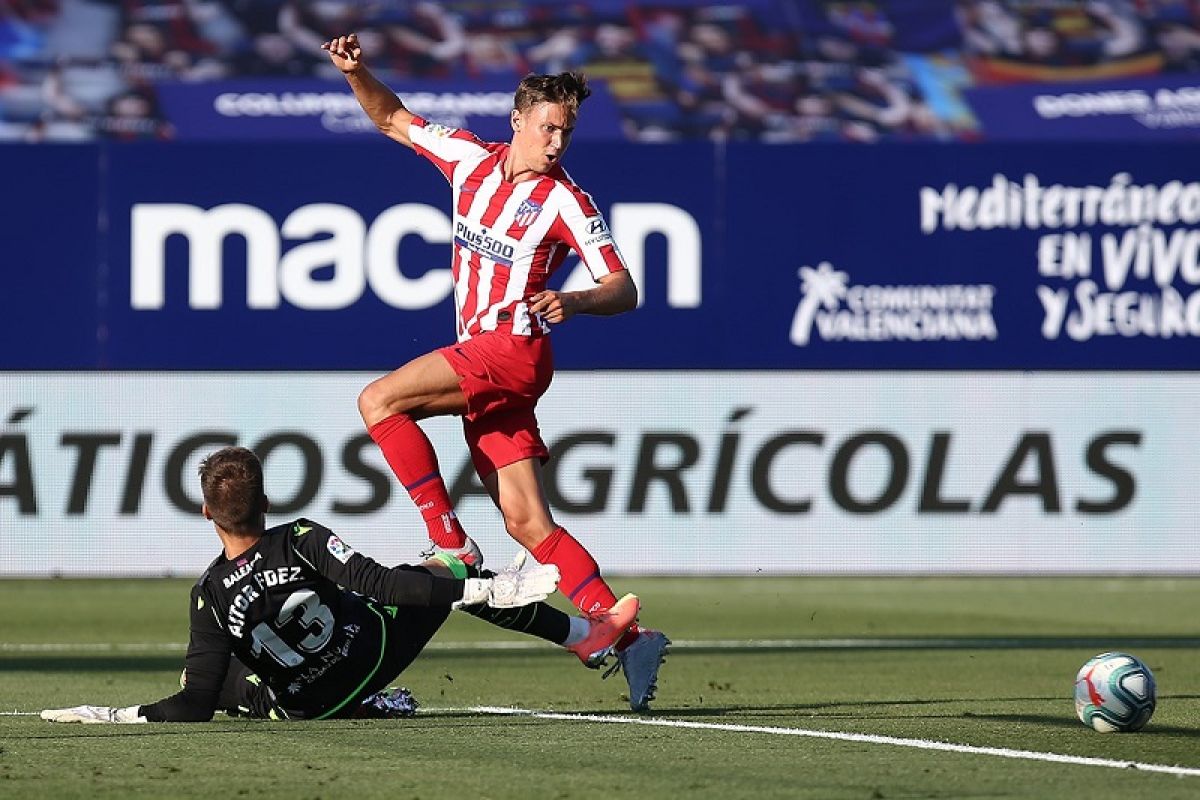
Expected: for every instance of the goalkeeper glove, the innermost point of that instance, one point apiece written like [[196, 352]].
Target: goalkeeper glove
[[93, 714], [512, 586]]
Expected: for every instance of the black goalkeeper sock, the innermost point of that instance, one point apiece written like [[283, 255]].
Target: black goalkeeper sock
[[536, 619]]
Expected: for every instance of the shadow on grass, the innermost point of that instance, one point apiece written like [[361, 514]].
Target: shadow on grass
[[150, 662], [92, 663], [1070, 722], [66, 661]]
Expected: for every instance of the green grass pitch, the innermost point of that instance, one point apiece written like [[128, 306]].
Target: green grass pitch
[[984, 663]]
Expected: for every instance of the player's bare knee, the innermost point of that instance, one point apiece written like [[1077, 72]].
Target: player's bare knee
[[374, 404], [366, 404], [529, 530]]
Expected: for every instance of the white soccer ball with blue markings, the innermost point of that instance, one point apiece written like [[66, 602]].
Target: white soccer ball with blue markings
[[1115, 693]]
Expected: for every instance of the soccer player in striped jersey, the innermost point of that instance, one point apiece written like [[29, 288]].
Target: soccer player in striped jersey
[[516, 215], [290, 622]]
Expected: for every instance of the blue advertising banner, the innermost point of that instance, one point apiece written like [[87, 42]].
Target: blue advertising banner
[[1008, 257], [336, 256], [1156, 109], [280, 109], [344, 264], [53, 299]]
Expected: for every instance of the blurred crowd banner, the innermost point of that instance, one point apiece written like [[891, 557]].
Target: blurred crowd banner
[[1155, 109], [305, 110], [656, 472], [303, 256], [669, 70]]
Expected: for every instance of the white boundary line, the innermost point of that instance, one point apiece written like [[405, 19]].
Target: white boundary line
[[867, 738], [920, 744]]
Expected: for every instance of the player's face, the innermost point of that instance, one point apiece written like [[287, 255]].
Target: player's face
[[541, 135]]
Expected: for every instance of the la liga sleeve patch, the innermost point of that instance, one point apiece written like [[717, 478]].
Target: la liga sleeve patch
[[339, 549]]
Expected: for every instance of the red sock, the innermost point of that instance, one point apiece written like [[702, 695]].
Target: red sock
[[410, 455], [579, 576]]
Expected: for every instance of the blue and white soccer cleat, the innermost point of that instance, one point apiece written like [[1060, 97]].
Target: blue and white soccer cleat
[[606, 629], [640, 662]]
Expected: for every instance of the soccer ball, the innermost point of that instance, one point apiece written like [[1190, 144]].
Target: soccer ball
[[1114, 693]]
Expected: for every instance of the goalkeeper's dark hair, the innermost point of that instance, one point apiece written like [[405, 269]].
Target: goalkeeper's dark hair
[[568, 89], [231, 480]]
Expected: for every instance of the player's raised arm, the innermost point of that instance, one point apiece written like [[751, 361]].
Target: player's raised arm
[[381, 103]]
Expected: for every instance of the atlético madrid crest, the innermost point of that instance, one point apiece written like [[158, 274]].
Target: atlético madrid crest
[[527, 212]]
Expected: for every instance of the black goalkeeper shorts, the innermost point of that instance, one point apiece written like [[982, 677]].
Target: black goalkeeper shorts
[[409, 630]]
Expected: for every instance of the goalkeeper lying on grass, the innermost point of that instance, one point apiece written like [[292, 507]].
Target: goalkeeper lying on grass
[[291, 623]]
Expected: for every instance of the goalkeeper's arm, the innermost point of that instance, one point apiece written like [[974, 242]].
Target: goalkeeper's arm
[[405, 585], [208, 656], [207, 661]]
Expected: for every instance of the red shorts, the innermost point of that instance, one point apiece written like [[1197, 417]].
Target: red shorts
[[502, 376]]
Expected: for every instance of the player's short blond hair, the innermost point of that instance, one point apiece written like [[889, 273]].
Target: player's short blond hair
[[568, 89]]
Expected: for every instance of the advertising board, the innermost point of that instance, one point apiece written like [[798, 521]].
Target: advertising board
[[656, 472]]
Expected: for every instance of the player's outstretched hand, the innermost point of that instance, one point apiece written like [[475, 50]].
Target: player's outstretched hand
[[345, 52], [93, 714], [517, 586], [512, 586]]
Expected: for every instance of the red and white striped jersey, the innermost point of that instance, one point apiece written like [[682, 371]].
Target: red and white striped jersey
[[509, 237]]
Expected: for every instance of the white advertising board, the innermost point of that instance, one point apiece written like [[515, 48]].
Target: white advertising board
[[656, 472]]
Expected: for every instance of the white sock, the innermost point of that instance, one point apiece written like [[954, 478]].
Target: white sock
[[580, 628]]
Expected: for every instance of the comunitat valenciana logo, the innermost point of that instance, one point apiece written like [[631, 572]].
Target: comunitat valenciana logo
[[834, 309]]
